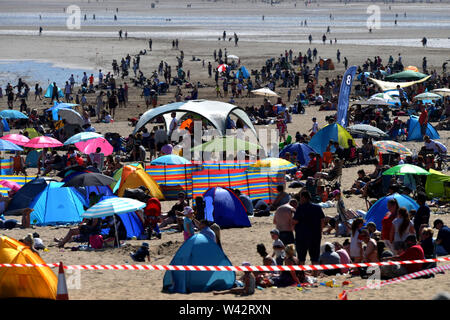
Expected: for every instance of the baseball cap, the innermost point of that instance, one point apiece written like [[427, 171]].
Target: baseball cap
[[275, 231]]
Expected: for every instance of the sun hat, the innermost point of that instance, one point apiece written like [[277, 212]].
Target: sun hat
[[187, 210], [275, 231]]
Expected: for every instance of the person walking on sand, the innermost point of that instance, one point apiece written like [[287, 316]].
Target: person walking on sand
[[150, 44]]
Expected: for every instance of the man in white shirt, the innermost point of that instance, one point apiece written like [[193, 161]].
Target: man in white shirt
[[100, 77]]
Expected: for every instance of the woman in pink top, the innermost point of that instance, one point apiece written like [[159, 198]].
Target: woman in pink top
[[345, 258]]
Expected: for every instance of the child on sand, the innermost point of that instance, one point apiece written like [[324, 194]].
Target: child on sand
[[188, 225], [249, 284]]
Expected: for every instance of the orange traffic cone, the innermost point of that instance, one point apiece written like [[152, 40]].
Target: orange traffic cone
[[61, 293], [343, 295]]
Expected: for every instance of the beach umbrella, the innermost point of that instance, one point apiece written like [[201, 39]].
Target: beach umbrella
[[57, 106], [232, 56], [226, 144], [222, 68], [16, 139], [391, 147], [445, 92], [71, 116], [403, 169], [111, 207], [14, 186], [407, 75], [302, 149], [272, 164], [90, 146], [411, 68], [385, 97], [170, 159], [367, 130], [6, 145], [89, 179], [12, 114], [82, 136], [265, 92], [428, 96], [43, 142]]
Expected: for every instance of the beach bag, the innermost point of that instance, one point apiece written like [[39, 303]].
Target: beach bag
[[96, 241]]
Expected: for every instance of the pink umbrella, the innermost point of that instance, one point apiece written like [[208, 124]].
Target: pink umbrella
[[18, 139], [10, 184], [43, 142], [90, 146]]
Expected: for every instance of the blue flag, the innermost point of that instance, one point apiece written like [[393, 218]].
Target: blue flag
[[344, 95]]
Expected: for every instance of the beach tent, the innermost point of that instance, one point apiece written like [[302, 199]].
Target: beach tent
[[379, 209], [437, 185], [133, 225], [103, 191], [133, 177], [215, 112], [223, 207], [335, 132], [414, 132], [49, 91], [25, 195], [37, 283], [302, 150], [199, 250], [387, 85], [56, 205], [244, 71], [32, 158], [32, 133]]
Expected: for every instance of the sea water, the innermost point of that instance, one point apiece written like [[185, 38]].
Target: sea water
[[32, 72]]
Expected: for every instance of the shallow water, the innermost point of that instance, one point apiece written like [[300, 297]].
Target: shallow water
[[37, 72]]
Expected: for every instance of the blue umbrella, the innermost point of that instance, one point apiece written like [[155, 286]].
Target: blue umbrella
[[82, 136], [7, 145], [170, 159], [302, 150], [12, 114], [58, 106]]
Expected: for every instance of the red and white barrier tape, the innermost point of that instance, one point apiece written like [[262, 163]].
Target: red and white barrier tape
[[227, 268], [343, 295]]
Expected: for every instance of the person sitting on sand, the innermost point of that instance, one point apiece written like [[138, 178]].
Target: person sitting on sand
[[288, 278], [177, 209], [282, 198], [86, 228], [249, 284]]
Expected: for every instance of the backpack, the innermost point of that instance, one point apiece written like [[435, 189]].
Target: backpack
[[96, 241]]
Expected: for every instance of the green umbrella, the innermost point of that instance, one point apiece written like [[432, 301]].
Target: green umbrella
[[407, 75], [226, 144], [403, 169]]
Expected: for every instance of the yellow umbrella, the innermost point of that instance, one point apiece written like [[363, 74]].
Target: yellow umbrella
[[272, 164]]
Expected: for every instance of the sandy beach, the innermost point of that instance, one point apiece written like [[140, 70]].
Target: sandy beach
[[94, 47]]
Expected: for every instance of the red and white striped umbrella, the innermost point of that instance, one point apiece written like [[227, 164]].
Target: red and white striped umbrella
[[222, 68]]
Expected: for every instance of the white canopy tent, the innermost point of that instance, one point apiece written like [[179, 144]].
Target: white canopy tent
[[215, 112]]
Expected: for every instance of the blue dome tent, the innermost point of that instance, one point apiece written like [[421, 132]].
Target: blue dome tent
[[244, 71], [199, 250], [302, 150], [335, 132], [25, 195], [223, 207], [414, 132], [379, 209], [56, 205]]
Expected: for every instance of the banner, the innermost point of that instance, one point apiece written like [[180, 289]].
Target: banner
[[344, 96]]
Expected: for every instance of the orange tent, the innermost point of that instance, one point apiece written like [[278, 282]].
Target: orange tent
[[133, 177], [24, 282]]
